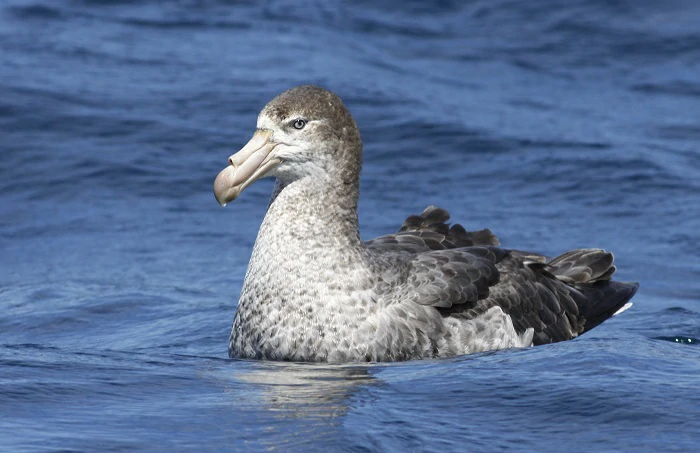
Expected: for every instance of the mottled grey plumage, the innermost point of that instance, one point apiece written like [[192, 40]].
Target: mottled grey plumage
[[315, 292]]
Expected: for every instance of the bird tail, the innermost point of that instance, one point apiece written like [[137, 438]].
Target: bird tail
[[605, 300], [590, 271]]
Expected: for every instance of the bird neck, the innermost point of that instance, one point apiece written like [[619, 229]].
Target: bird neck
[[308, 275], [313, 222]]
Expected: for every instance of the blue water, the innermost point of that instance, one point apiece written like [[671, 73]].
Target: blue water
[[557, 124]]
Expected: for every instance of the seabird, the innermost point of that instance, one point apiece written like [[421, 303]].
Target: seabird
[[314, 291]]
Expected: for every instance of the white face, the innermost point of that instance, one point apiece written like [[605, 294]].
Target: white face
[[295, 145], [308, 142]]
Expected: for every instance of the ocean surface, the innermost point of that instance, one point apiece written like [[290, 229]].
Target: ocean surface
[[557, 124]]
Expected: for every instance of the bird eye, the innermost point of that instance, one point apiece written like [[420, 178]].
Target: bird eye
[[299, 123]]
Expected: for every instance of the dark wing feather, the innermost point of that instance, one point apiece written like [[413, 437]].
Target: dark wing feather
[[463, 275], [430, 231], [532, 297], [535, 296], [583, 266], [446, 278]]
